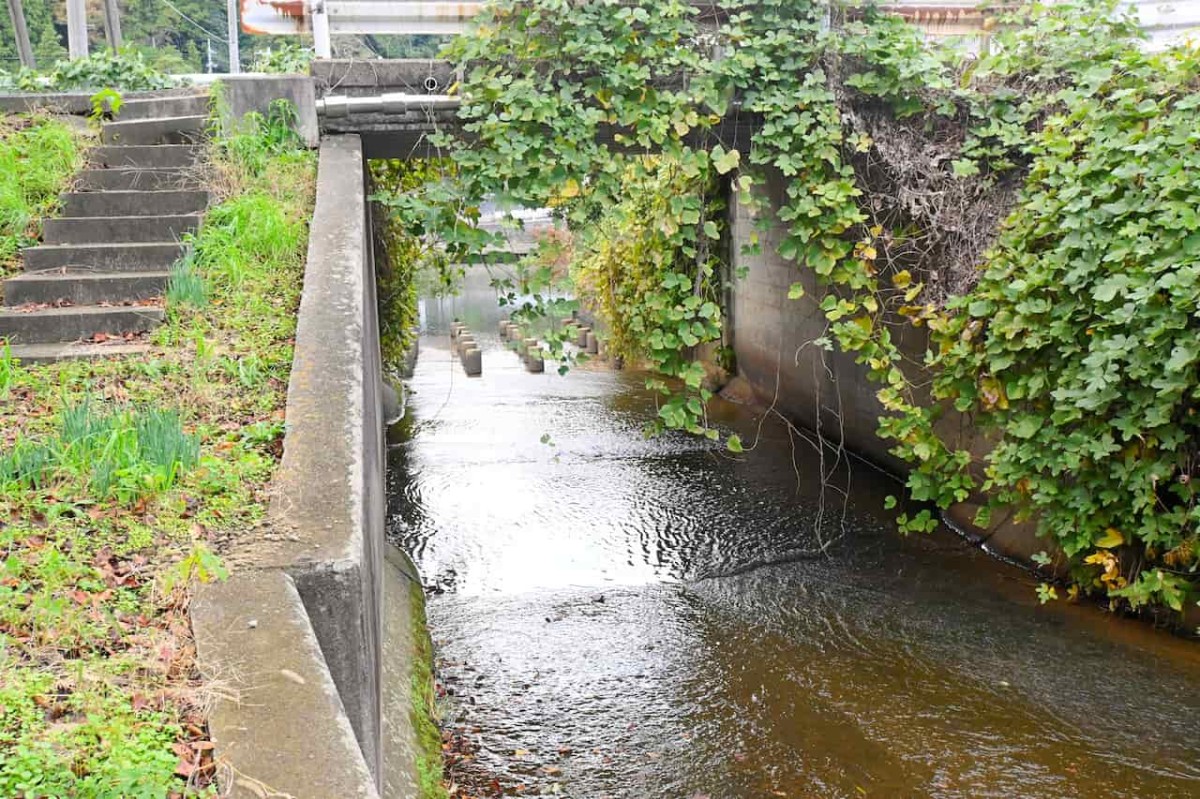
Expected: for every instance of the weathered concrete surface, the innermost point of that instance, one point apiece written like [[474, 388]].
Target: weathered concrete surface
[[826, 390], [75, 103], [282, 730], [246, 93], [327, 514], [403, 622], [356, 77], [330, 484]]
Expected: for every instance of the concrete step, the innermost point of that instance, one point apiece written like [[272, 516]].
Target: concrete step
[[181, 105], [84, 289], [154, 256], [146, 156], [136, 179], [158, 130], [75, 323], [133, 203], [66, 351], [118, 229]]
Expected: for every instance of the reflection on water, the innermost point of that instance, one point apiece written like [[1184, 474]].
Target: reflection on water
[[623, 617]]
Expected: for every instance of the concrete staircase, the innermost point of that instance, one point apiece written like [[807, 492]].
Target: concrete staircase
[[95, 284]]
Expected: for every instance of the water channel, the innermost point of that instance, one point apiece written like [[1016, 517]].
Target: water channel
[[623, 617]]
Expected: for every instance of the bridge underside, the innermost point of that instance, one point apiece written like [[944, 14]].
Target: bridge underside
[[407, 133]]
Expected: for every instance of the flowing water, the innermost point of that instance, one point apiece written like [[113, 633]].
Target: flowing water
[[623, 617]]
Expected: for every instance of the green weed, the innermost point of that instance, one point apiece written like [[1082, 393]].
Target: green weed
[[126, 455], [8, 366], [186, 286], [247, 370], [38, 156]]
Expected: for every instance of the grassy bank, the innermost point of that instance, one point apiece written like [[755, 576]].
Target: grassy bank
[[38, 156], [120, 480]]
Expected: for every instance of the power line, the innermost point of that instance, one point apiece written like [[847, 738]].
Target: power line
[[202, 29]]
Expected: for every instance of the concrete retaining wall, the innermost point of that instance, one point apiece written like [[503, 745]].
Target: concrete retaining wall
[[246, 93], [316, 575], [773, 340]]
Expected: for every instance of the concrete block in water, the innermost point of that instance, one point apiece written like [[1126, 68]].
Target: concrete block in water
[[534, 363], [472, 361], [530, 348], [503, 326], [581, 336], [593, 343]]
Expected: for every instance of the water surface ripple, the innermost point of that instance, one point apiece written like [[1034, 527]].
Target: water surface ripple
[[623, 617]]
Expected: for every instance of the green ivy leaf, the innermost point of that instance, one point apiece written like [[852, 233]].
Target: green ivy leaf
[[725, 161]]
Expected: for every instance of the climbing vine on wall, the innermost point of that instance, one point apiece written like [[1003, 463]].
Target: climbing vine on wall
[[1033, 208], [563, 104], [425, 226]]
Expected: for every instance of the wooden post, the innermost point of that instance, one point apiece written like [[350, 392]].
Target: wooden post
[[235, 58], [16, 13], [77, 41], [112, 24]]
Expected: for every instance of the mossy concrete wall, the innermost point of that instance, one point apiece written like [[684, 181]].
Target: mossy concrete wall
[[774, 341]]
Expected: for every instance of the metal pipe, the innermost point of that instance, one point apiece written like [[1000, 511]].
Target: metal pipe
[[392, 103]]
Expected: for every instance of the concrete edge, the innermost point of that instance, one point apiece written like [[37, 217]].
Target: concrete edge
[[326, 533], [279, 726], [404, 616], [74, 103]]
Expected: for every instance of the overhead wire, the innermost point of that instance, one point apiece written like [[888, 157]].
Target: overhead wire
[[194, 23]]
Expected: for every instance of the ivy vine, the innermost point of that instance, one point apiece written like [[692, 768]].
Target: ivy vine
[[1034, 208]]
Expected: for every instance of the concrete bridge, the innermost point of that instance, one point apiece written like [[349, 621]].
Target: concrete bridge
[[394, 106]]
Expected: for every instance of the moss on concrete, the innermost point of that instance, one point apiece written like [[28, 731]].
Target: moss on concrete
[[423, 708]]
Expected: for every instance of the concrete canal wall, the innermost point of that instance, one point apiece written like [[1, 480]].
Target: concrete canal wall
[[297, 635], [825, 390]]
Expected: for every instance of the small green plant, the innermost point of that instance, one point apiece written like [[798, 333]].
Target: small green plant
[[106, 104], [200, 565], [186, 286], [247, 370], [8, 366]]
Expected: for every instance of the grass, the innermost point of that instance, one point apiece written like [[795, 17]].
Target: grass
[[38, 156], [186, 286], [127, 455], [122, 479]]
